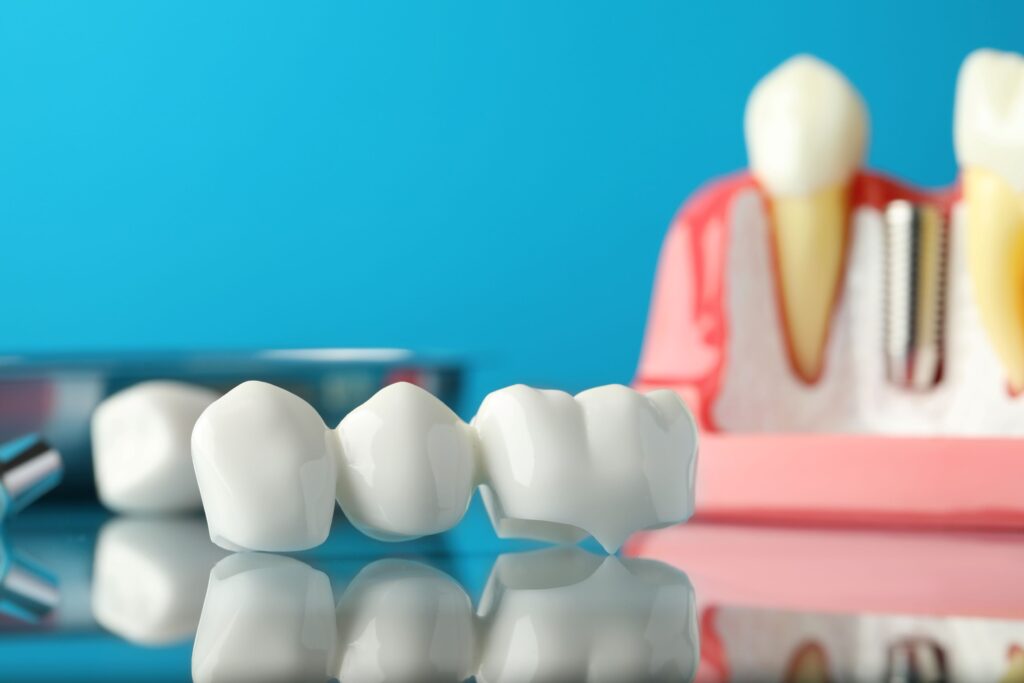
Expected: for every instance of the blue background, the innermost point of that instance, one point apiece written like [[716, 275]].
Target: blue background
[[486, 178]]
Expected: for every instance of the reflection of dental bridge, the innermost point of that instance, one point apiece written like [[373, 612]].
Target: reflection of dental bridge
[[769, 318], [559, 614]]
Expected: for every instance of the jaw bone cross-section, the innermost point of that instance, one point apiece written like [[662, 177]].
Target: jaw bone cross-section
[[853, 347]]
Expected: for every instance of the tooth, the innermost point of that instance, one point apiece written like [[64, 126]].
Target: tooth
[[403, 621], [563, 614], [989, 136], [140, 447], [266, 467], [265, 618], [806, 129], [606, 463], [407, 464], [145, 573]]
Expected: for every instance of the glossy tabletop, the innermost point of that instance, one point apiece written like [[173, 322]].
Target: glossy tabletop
[[88, 596]]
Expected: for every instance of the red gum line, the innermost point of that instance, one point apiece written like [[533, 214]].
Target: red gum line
[[687, 329]]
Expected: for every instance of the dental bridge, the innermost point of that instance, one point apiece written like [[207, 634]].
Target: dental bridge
[[267, 471]]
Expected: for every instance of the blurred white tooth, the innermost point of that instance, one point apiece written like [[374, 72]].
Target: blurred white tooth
[[806, 130], [140, 447], [606, 463], [989, 136], [407, 465], [403, 621], [266, 618], [565, 615], [145, 574], [266, 467]]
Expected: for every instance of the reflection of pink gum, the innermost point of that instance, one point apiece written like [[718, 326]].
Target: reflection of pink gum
[[825, 571], [936, 482]]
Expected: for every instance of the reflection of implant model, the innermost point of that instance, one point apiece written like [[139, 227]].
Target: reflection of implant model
[[560, 614], [27, 592], [606, 463], [915, 256], [29, 468]]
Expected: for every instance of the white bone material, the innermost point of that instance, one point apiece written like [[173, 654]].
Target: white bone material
[[606, 463]]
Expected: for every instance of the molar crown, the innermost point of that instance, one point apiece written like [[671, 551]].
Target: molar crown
[[553, 467]]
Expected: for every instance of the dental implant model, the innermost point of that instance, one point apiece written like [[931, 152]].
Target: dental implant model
[[605, 463], [812, 309]]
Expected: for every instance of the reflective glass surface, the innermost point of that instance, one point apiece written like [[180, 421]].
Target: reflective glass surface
[[90, 596]]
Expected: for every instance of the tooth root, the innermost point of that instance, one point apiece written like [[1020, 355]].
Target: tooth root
[[809, 236], [995, 257]]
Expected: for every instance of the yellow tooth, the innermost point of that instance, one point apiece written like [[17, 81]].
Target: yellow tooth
[[988, 130], [806, 129], [1015, 672], [810, 237], [995, 259]]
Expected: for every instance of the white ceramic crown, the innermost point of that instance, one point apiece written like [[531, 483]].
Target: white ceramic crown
[[607, 462], [407, 466], [401, 620], [552, 467], [266, 468], [140, 447], [266, 618]]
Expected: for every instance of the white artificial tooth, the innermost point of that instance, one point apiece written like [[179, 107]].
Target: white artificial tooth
[[606, 463], [144, 578], [989, 121], [407, 465], [806, 129], [989, 136], [265, 618], [403, 621], [140, 447], [266, 467], [565, 615]]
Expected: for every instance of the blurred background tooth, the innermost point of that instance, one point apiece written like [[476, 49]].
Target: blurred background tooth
[[145, 574], [265, 618], [266, 467], [407, 464], [806, 129], [989, 137], [563, 614], [401, 620], [141, 447]]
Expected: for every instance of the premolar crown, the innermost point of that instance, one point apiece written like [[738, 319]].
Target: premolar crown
[[606, 463], [806, 130]]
